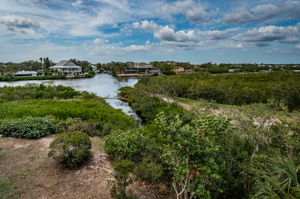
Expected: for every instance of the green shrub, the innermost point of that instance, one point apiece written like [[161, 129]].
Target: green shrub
[[93, 110], [70, 149], [28, 127], [122, 177], [148, 171], [125, 144]]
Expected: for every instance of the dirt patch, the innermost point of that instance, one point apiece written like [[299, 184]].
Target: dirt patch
[[36, 176]]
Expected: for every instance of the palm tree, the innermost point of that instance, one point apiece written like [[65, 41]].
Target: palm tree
[[278, 181]]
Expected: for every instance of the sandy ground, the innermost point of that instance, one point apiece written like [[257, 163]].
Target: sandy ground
[[36, 176]]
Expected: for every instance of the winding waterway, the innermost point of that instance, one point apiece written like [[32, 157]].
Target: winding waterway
[[103, 85]]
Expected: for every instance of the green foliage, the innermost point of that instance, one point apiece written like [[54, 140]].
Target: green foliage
[[125, 144], [279, 179], [122, 177], [70, 149], [235, 89], [149, 171], [103, 116], [90, 127], [28, 127], [7, 190], [35, 91], [148, 107]]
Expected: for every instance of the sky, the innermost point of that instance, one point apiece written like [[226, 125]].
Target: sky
[[195, 31]]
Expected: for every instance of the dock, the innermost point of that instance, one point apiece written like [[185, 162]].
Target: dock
[[118, 98], [129, 75]]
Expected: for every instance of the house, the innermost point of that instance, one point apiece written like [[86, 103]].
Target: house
[[139, 68], [24, 73], [66, 67], [178, 69], [94, 68]]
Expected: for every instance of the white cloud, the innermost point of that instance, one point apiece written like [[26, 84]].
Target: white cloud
[[263, 36], [100, 41], [298, 46], [18, 23], [238, 46], [264, 12], [193, 11], [168, 35], [77, 3], [216, 34]]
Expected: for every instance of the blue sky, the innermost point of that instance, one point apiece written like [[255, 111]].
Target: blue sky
[[197, 31]]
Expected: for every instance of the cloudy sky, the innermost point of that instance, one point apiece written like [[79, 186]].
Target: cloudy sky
[[197, 31]]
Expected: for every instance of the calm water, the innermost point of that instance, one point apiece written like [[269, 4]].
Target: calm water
[[103, 85]]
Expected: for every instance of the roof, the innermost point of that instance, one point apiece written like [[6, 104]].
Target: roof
[[23, 72], [65, 64]]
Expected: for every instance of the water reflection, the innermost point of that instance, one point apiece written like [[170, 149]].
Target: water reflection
[[102, 85]]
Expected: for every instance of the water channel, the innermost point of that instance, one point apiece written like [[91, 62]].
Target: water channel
[[103, 85]]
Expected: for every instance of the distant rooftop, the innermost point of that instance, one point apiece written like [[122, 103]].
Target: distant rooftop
[[65, 64]]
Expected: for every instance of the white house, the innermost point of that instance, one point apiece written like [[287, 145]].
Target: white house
[[94, 68], [24, 73], [66, 67]]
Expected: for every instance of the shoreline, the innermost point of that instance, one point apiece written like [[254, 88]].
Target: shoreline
[[46, 77]]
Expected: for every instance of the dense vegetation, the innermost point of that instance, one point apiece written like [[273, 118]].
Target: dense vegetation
[[147, 107], [86, 113], [34, 91], [197, 155], [28, 127], [236, 89], [71, 149], [179, 154]]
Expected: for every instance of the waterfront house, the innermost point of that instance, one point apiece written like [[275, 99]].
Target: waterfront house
[[94, 68], [179, 69], [139, 68], [66, 67], [24, 73]]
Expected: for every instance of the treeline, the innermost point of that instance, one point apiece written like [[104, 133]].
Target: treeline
[[41, 66], [235, 89], [205, 156]]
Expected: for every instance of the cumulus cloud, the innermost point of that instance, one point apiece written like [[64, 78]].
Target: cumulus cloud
[[147, 25], [168, 35], [238, 46], [77, 3], [194, 12], [216, 34], [17, 23], [264, 36], [100, 41], [263, 12]]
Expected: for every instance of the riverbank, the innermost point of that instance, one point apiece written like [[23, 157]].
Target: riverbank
[[44, 77], [103, 85]]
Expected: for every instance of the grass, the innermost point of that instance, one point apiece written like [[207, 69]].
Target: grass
[[290, 118], [7, 190], [96, 110]]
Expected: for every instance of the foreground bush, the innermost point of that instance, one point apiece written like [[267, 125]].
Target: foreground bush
[[29, 127], [70, 149], [125, 144], [122, 179]]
